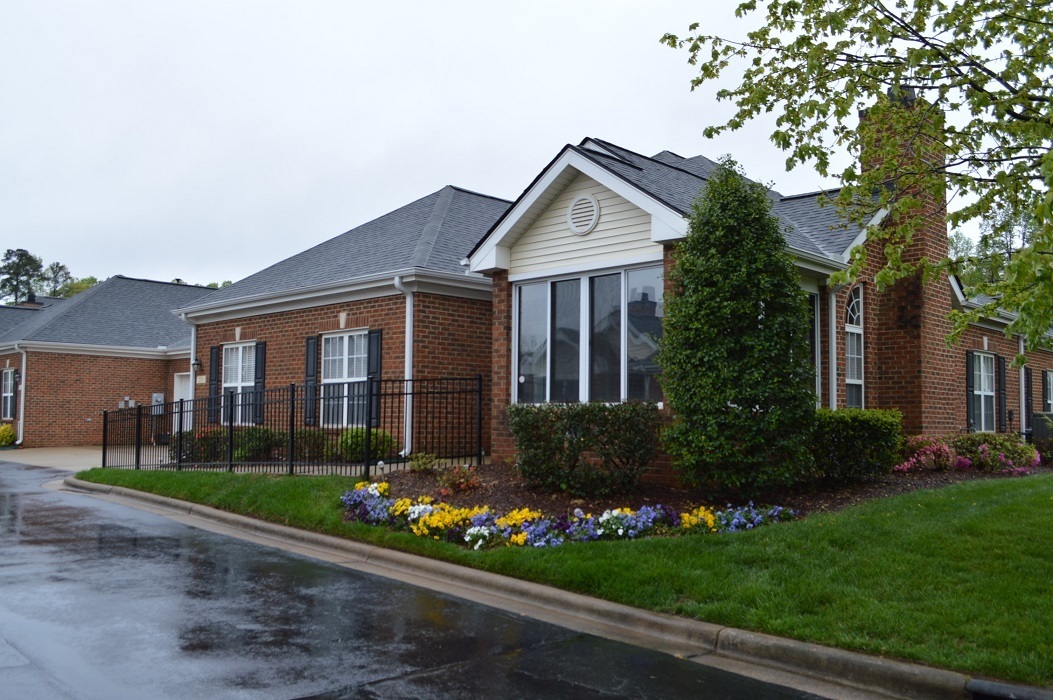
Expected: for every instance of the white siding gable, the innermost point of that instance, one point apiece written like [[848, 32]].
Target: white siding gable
[[622, 233]]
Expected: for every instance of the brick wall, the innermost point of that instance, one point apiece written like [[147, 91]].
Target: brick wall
[[66, 394], [451, 339], [502, 447]]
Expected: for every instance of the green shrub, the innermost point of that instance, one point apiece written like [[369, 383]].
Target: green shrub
[[995, 452], [351, 445], [1042, 436], [199, 446], [423, 463], [7, 435], [736, 364], [256, 443], [589, 449], [310, 445], [856, 443]]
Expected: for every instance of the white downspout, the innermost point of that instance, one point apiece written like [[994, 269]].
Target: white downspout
[[831, 307], [193, 373], [407, 365], [21, 398], [1025, 410]]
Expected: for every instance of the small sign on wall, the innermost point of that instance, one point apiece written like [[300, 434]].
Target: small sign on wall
[[201, 379]]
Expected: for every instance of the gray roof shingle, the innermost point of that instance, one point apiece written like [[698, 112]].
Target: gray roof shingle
[[433, 233], [11, 316], [677, 182], [121, 312]]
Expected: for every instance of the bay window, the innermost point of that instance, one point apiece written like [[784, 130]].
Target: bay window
[[613, 360]]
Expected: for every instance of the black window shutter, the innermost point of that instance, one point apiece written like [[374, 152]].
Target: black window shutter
[[310, 382], [213, 384], [1045, 391], [373, 362], [970, 399], [259, 382], [1029, 407], [1000, 392], [16, 379]]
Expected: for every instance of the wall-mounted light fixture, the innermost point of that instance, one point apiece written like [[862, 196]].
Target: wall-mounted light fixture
[[197, 365]]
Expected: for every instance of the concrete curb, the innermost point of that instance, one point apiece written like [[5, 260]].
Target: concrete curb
[[895, 679]]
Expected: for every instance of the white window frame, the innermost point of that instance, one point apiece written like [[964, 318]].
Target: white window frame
[[583, 325], [980, 393], [1047, 377], [7, 395], [854, 328], [238, 383], [347, 358]]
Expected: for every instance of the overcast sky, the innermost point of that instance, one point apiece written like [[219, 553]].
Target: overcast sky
[[208, 140]]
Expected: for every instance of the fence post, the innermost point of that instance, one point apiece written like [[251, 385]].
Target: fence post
[[138, 434], [369, 427], [292, 427], [179, 437], [105, 434], [230, 430], [479, 420]]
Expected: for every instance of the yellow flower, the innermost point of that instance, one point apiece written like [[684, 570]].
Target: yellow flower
[[700, 516], [518, 539], [517, 517]]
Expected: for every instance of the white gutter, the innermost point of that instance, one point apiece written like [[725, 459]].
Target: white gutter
[[407, 363], [21, 397], [193, 354]]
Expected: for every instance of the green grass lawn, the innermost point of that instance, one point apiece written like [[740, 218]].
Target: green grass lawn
[[960, 578]]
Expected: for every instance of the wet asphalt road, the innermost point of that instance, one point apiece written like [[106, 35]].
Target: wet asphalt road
[[99, 600]]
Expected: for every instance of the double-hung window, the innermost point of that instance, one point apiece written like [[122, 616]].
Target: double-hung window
[[344, 370], [983, 404], [239, 375], [7, 394], [854, 349], [1047, 393], [591, 337]]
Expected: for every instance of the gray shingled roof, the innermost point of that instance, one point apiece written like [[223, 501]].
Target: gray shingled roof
[[677, 181], [433, 233], [122, 311], [11, 316]]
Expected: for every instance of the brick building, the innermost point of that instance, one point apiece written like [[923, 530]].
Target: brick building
[[389, 299], [63, 362], [578, 263]]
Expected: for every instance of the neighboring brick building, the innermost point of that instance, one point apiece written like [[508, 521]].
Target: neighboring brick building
[[578, 262], [389, 299], [63, 362]]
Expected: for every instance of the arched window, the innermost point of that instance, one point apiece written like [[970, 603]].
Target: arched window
[[854, 349]]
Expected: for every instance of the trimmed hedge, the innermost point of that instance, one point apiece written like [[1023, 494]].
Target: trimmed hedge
[[351, 445], [856, 443], [585, 449]]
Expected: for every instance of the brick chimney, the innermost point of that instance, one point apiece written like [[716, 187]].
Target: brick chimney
[[908, 363]]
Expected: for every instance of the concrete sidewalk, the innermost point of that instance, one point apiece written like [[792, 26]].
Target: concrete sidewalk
[[72, 459]]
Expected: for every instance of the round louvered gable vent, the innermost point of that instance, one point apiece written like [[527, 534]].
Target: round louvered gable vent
[[583, 214]]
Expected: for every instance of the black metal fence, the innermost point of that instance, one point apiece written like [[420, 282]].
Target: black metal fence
[[354, 428]]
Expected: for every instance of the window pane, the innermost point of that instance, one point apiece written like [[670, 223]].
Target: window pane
[[231, 364], [248, 365], [333, 357], [532, 364], [356, 361], [854, 395], [988, 403], [645, 312], [605, 338], [854, 356], [566, 340]]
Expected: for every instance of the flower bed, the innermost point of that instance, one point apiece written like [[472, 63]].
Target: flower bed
[[478, 527], [991, 453]]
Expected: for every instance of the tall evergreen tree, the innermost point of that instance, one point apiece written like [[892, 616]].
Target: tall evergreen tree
[[735, 357], [20, 273]]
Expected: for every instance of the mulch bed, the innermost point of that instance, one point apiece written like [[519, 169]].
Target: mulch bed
[[502, 490]]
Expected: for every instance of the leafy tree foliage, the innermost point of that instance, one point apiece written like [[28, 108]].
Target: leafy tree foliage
[[984, 264], [54, 277], [76, 286], [735, 357], [987, 64], [20, 273]]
